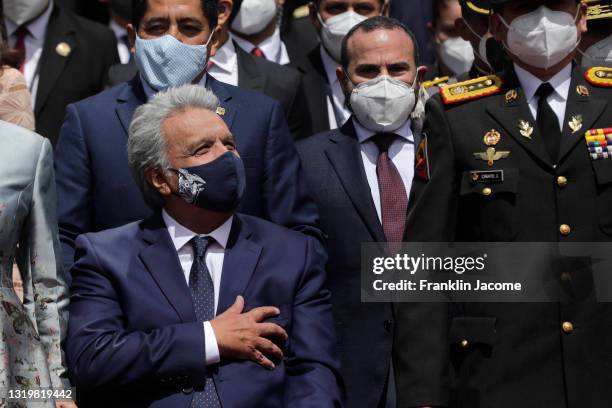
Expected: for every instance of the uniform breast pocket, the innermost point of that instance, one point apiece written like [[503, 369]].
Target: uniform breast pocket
[[488, 205], [603, 176]]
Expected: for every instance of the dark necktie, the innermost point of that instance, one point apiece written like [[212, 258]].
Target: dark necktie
[[20, 47], [393, 197], [547, 121], [258, 52], [203, 295]]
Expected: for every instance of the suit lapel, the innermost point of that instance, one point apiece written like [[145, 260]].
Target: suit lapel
[[249, 76], [228, 104], [510, 114], [161, 260], [344, 156], [241, 257], [60, 30], [584, 109], [128, 100]]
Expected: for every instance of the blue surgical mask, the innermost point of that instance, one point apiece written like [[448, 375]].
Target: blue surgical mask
[[166, 62], [216, 186]]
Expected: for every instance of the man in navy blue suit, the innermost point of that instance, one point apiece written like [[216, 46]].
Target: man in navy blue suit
[[198, 306], [173, 40]]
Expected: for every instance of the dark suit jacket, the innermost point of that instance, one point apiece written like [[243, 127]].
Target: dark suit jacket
[[258, 74], [517, 354], [134, 340], [67, 79], [336, 177], [95, 187], [315, 84]]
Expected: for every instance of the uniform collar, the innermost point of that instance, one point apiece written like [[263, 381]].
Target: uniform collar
[[363, 134], [530, 83], [181, 235]]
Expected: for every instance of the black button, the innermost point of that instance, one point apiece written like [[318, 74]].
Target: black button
[[388, 324]]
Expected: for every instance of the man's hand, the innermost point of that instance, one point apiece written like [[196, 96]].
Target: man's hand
[[243, 336]]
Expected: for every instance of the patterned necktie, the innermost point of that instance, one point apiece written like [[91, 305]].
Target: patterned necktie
[[20, 47], [547, 121], [258, 52], [393, 197], [203, 295]]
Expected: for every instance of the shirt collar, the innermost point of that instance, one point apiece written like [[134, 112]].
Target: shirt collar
[[181, 235], [225, 58], [272, 47], [37, 27], [150, 92], [530, 83], [364, 135], [119, 31], [330, 66]]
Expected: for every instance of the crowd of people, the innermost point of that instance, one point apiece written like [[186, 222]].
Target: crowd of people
[[186, 185]]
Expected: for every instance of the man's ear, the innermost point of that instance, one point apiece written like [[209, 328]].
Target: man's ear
[[462, 29], [385, 9], [225, 11], [422, 71], [215, 41], [131, 32], [344, 80], [314, 19], [582, 21], [497, 28], [158, 180]]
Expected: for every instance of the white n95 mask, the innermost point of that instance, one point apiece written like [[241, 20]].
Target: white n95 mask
[[22, 11], [335, 28], [598, 54], [457, 54], [254, 16], [542, 38], [383, 104]]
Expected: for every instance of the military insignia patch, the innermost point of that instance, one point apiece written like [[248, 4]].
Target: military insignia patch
[[599, 76], [599, 143], [470, 90], [525, 128], [220, 111], [576, 123], [491, 155], [492, 137], [422, 161], [511, 96], [582, 90], [487, 176]]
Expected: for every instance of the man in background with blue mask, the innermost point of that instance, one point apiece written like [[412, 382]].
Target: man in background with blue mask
[[524, 157], [595, 49], [332, 19], [198, 306], [360, 175], [173, 41]]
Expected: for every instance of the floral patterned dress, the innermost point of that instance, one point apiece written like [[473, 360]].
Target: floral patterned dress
[[30, 332]]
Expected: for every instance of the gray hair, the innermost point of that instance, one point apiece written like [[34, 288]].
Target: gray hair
[[147, 148]]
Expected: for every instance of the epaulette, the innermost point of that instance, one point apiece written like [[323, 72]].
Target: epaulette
[[599, 76], [471, 89], [301, 12], [435, 82]]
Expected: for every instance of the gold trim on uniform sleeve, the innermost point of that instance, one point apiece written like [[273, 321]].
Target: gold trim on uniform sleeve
[[599, 76]]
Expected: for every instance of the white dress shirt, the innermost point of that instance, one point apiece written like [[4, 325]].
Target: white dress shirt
[[337, 113], [214, 262], [34, 42], [273, 47], [225, 64], [122, 47], [557, 100], [401, 153]]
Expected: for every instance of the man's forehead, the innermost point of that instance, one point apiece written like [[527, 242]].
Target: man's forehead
[[381, 42], [348, 2], [184, 8]]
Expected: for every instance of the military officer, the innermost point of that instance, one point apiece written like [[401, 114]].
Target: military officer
[[595, 47], [543, 128]]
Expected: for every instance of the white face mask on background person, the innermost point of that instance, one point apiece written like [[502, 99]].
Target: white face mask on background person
[[542, 38], [457, 54], [482, 45], [598, 54], [23, 11], [254, 16], [383, 104], [335, 28]]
